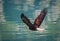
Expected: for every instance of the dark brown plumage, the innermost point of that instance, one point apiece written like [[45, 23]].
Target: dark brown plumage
[[37, 21]]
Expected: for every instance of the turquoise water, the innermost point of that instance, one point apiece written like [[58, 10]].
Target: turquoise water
[[13, 28]]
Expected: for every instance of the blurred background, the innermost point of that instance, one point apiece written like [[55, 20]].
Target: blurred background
[[12, 27]]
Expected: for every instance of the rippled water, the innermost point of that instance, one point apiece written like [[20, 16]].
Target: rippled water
[[13, 29]]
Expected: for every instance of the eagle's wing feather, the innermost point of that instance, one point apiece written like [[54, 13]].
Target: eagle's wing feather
[[25, 20], [40, 18]]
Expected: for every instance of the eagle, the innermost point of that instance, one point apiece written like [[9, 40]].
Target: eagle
[[38, 21]]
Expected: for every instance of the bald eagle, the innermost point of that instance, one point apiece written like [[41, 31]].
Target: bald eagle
[[37, 22]]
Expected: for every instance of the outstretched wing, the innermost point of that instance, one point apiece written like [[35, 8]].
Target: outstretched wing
[[25, 20], [40, 18]]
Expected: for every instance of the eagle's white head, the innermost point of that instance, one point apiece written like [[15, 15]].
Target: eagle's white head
[[40, 29]]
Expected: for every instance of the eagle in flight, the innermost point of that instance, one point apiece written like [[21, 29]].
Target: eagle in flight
[[37, 21]]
